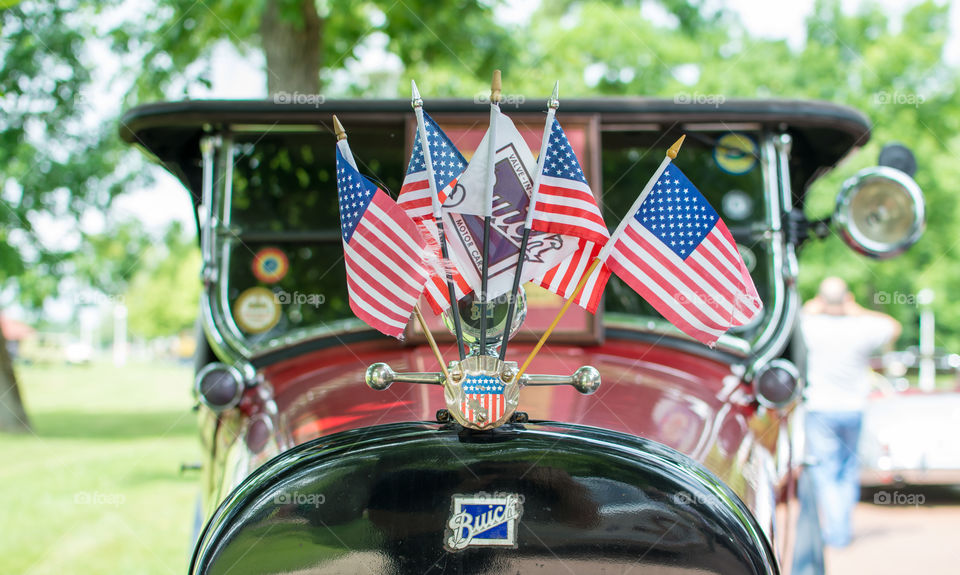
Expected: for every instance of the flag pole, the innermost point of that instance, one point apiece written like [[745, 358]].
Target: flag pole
[[552, 104], [348, 155], [488, 199], [605, 252], [417, 102], [431, 341]]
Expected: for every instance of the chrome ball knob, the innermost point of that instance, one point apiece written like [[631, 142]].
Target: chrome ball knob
[[379, 376], [586, 380]]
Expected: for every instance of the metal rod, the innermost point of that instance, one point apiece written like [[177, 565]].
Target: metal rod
[[483, 284], [451, 292], [431, 341], [417, 103], [514, 291], [488, 208], [552, 104]]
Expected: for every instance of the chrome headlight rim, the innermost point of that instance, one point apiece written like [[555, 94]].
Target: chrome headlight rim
[[791, 369], [233, 372], [843, 218]]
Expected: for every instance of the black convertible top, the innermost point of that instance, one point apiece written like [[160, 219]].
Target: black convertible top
[[823, 133]]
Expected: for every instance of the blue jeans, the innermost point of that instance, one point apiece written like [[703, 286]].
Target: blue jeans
[[832, 438]]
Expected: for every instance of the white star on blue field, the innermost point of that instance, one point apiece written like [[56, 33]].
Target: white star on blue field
[[447, 161], [475, 384], [354, 193], [677, 213], [561, 161]]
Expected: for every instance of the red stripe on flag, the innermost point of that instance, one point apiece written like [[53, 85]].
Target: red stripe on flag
[[374, 301], [722, 303], [639, 285]]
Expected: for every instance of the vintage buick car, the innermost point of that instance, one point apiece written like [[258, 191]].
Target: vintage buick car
[[686, 459]]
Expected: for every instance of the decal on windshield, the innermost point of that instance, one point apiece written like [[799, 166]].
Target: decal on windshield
[[256, 310], [270, 265], [736, 153]]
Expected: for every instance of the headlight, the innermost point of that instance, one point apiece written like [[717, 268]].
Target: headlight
[[777, 385], [880, 212], [219, 386]]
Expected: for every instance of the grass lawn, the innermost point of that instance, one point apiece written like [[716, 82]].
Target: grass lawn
[[98, 488]]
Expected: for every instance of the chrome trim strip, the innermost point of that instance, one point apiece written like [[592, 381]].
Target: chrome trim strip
[[208, 149], [215, 323], [775, 335]]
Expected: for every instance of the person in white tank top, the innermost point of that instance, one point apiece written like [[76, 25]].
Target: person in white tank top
[[840, 336]]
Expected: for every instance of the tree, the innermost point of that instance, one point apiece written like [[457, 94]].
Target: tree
[[51, 164], [302, 43]]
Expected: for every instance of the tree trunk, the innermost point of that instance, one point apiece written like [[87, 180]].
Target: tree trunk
[[292, 47], [12, 416]]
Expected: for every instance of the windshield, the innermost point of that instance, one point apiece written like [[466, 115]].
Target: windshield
[[280, 240], [283, 231]]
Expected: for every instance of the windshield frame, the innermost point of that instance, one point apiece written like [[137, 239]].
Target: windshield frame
[[229, 342]]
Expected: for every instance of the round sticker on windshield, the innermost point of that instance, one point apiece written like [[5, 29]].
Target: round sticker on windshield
[[735, 153], [256, 310], [270, 265], [736, 205]]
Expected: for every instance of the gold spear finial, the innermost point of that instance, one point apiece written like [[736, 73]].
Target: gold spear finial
[[338, 129], [675, 148], [495, 87]]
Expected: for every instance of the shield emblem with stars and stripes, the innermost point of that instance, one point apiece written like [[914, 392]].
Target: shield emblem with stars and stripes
[[483, 400]]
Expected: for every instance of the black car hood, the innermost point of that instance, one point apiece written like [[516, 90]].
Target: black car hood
[[379, 499]]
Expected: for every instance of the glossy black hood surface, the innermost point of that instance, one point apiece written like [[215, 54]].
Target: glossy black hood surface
[[381, 499]]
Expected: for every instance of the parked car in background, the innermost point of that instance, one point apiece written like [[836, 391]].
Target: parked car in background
[[909, 435]]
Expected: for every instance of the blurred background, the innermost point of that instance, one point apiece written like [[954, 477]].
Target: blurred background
[[98, 254]]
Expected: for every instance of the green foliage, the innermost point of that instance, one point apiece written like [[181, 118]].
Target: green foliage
[[176, 41], [111, 258], [164, 294], [52, 165]]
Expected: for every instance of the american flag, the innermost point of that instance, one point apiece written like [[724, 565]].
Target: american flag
[[448, 164], [678, 254], [483, 396], [566, 205], [383, 251], [415, 198]]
